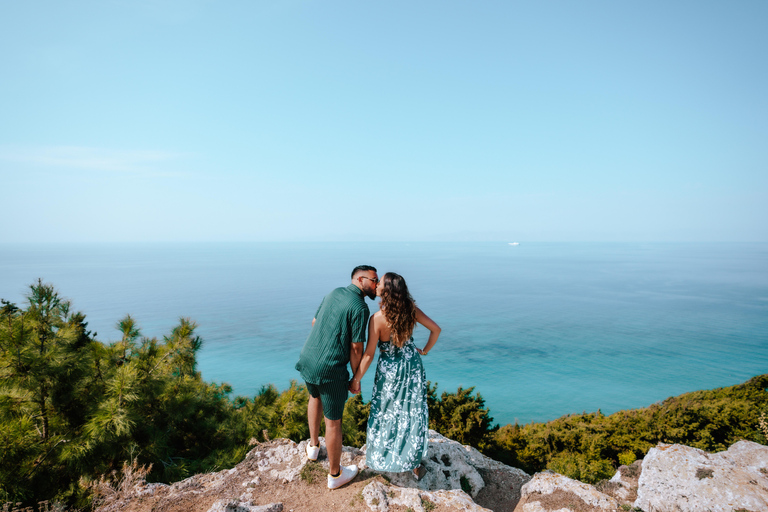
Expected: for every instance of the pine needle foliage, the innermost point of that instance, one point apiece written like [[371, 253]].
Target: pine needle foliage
[[73, 408]]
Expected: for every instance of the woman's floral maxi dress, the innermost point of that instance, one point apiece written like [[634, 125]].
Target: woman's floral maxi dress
[[398, 424]]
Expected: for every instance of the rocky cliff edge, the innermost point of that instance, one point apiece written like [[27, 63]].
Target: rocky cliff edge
[[276, 476]]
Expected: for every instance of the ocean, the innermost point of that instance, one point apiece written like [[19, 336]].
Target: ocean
[[539, 329]]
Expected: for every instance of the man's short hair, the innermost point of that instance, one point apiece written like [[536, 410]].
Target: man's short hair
[[362, 268]]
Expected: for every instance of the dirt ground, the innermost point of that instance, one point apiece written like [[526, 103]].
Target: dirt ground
[[297, 496], [301, 496]]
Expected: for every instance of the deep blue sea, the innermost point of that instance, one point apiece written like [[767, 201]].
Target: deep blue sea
[[540, 329]]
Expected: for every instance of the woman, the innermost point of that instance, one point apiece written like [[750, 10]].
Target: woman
[[398, 424]]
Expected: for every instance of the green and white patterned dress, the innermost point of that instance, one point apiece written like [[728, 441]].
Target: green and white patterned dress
[[398, 424]]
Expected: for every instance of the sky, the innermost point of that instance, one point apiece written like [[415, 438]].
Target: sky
[[290, 120]]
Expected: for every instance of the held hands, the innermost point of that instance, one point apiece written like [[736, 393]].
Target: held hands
[[354, 387]]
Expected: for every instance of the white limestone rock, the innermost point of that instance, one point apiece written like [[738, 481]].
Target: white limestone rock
[[551, 492], [537, 507], [623, 485], [451, 465], [145, 489], [239, 506], [681, 479], [380, 498], [282, 460], [253, 482]]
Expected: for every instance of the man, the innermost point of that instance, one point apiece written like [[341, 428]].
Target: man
[[336, 339]]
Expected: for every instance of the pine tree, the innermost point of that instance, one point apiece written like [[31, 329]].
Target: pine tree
[[44, 356]]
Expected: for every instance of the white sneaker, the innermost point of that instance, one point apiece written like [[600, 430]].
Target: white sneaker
[[346, 476], [313, 452]]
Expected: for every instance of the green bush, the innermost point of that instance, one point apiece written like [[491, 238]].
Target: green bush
[[355, 421], [460, 416], [583, 444], [627, 458], [581, 466]]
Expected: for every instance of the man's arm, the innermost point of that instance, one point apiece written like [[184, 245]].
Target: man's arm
[[368, 355], [355, 355], [358, 323]]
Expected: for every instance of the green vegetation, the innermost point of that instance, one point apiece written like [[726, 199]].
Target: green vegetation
[[465, 485], [312, 472], [74, 409], [590, 446], [460, 416], [427, 505]]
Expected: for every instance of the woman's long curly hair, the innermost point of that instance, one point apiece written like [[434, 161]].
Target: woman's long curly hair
[[398, 307]]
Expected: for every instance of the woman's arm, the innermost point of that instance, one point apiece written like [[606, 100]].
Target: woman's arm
[[370, 353], [434, 331]]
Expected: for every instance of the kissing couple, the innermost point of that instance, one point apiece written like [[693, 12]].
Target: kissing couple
[[398, 424]]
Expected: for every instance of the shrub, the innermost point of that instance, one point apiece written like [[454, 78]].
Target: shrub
[[460, 416], [627, 458], [586, 444], [355, 421]]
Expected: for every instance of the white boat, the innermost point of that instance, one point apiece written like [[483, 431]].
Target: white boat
[[514, 243]]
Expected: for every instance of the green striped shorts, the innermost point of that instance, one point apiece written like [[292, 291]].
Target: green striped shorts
[[333, 396]]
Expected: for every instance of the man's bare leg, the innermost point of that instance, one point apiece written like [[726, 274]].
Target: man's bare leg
[[333, 444], [314, 416]]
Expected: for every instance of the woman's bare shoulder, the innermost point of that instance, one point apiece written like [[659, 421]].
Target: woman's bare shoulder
[[377, 317]]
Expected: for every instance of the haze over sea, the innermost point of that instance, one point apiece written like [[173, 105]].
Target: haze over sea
[[540, 329]]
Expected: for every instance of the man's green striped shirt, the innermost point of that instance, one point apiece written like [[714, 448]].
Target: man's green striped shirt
[[340, 321]]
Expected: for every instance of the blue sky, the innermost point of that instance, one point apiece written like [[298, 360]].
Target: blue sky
[[451, 120]]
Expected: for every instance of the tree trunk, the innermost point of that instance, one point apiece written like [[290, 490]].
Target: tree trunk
[[44, 412]]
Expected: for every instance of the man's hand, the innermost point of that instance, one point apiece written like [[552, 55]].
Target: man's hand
[[354, 387]]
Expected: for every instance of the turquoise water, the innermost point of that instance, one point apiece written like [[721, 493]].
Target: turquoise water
[[540, 329]]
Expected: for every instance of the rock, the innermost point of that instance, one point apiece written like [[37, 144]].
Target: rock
[[452, 469], [380, 498], [282, 459], [148, 489], [237, 506], [552, 492], [451, 465], [623, 485], [680, 478], [670, 478]]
